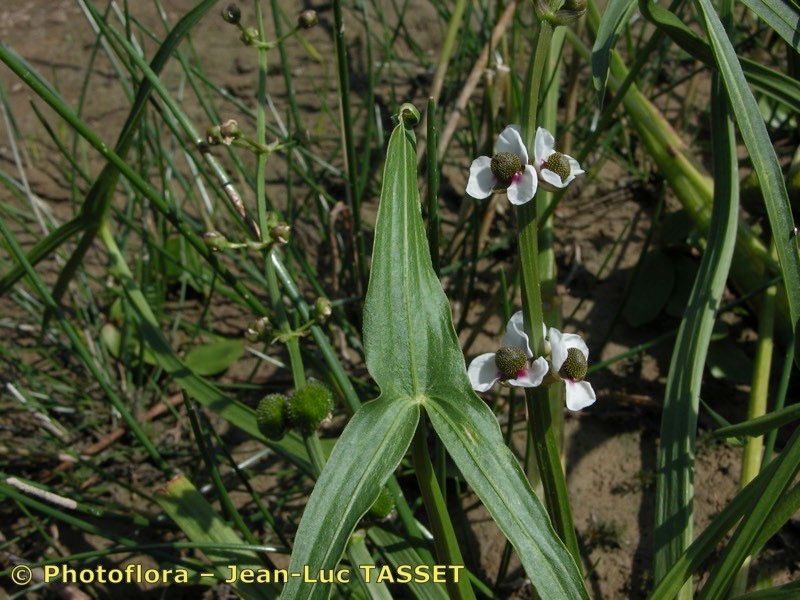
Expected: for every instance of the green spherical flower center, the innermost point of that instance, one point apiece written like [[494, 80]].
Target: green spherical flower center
[[558, 163], [510, 360], [575, 366], [504, 166]]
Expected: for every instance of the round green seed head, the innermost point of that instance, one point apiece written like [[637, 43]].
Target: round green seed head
[[559, 164], [271, 416], [575, 366], [309, 406], [510, 360], [383, 506], [504, 166]]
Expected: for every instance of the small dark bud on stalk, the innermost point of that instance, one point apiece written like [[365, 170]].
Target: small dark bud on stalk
[[309, 406], [231, 14], [215, 241], [271, 416], [259, 330], [307, 19]]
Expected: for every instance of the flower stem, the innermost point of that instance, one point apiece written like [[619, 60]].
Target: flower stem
[[292, 343], [540, 416], [444, 537]]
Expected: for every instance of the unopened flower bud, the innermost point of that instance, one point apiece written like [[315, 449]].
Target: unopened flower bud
[[383, 505], [409, 115], [231, 14], [215, 241], [280, 233], [259, 330], [271, 416], [322, 309], [570, 11], [214, 135], [249, 36], [309, 406], [229, 131], [307, 19]]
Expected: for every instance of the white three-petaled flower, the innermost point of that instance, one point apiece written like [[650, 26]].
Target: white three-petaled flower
[[484, 371], [486, 175], [544, 151], [579, 392]]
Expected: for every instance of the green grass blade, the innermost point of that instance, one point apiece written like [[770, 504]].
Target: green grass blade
[[747, 534], [760, 425], [762, 153], [202, 524], [675, 472], [615, 15], [789, 591], [773, 83], [782, 16]]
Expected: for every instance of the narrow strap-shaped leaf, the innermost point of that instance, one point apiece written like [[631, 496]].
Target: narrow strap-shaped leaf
[[98, 195], [762, 153], [706, 543], [615, 15], [198, 520], [762, 424], [472, 436], [782, 16], [367, 453], [789, 591], [753, 521], [778, 86], [675, 472], [400, 552]]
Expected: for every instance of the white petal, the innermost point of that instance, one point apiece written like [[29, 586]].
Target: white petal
[[534, 375], [561, 343], [553, 180], [579, 395], [558, 351], [510, 140], [524, 188], [574, 166], [483, 372], [515, 334], [543, 145], [481, 180]]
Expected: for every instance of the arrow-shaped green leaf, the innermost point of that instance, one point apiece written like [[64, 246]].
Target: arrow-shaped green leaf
[[414, 356]]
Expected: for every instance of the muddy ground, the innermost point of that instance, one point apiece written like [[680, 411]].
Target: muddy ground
[[610, 448]]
